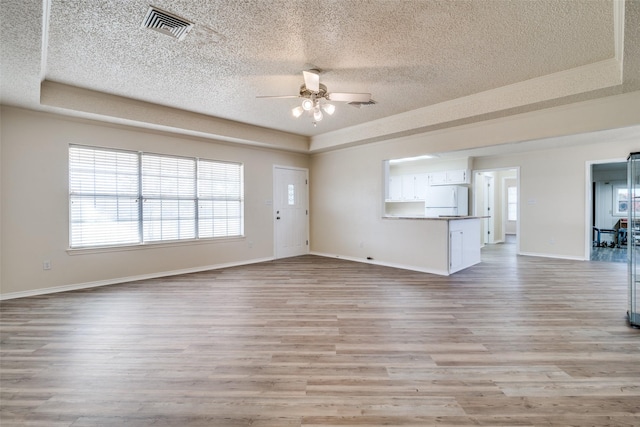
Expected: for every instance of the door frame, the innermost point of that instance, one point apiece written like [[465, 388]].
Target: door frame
[[588, 202], [273, 207], [489, 204], [474, 174]]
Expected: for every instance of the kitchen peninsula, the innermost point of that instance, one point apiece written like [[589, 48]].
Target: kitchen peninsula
[[443, 245]]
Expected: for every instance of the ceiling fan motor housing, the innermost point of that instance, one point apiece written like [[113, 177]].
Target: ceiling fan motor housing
[[306, 93]]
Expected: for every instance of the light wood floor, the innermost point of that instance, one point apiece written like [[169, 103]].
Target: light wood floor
[[311, 341]]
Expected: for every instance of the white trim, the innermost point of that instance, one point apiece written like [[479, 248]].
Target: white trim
[[384, 264], [519, 220], [86, 285], [44, 48], [588, 202], [581, 79], [618, 31], [153, 245], [542, 255]]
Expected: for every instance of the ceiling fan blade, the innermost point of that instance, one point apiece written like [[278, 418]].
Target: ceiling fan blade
[[311, 81], [348, 97], [278, 96]]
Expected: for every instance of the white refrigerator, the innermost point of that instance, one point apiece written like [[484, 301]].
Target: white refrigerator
[[446, 200]]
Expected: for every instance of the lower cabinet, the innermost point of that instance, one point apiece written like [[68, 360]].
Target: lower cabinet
[[464, 243], [456, 250]]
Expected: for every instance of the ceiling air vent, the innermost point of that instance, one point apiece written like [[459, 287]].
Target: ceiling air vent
[[358, 104], [167, 23]]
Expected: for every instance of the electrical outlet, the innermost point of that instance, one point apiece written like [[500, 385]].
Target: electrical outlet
[[46, 265]]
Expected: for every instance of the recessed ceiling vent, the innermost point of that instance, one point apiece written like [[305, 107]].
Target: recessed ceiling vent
[[167, 23], [359, 104]]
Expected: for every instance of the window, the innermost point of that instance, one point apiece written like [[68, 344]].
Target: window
[[291, 194], [169, 198], [220, 199], [123, 198], [621, 200], [512, 203]]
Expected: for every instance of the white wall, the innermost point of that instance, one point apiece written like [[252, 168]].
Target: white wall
[[347, 184], [35, 213], [554, 207], [430, 165], [346, 188]]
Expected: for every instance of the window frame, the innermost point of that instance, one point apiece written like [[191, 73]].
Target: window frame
[[237, 175], [616, 200]]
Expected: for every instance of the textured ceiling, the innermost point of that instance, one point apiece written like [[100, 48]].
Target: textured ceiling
[[407, 54]]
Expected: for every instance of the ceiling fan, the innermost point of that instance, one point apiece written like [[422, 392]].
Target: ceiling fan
[[315, 96]]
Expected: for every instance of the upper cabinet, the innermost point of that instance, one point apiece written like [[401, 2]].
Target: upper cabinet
[[408, 188], [395, 188], [452, 177], [413, 187]]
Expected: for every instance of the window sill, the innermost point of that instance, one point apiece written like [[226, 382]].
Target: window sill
[[159, 245]]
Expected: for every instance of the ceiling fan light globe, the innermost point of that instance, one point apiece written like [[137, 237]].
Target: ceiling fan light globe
[[329, 108], [317, 115], [297, 112], [307, 104]]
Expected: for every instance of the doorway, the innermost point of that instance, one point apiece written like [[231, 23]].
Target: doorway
[[291, 211], [496, 196], [608, 189]]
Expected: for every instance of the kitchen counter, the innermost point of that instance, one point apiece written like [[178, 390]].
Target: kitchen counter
[[440, 245]]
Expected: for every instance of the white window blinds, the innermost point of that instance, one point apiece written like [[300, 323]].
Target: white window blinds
[[123, 198], [169, 198], [221, 198], [103, 197]]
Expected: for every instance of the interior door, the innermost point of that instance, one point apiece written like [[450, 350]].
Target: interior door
[[291, 211], [489, 210]]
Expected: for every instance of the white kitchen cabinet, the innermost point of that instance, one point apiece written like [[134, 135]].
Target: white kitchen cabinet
[[438, 178], [395, 188], [409, 188], [464, 243], [414, 186], [457, 177], [452, 177], [421, 182], [456, 239]]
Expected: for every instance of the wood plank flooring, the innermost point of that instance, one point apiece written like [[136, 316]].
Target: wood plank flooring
[[312, 341]]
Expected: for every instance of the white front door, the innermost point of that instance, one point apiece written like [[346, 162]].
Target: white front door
[[291, 211]]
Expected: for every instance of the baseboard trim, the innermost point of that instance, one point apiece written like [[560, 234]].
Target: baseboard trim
[[541, 255], [78, 286], [384, 264]]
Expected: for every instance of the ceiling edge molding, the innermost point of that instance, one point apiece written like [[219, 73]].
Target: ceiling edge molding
[[618, 30], [590, 77], [75, 101], [46, 13], [596, 115]]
